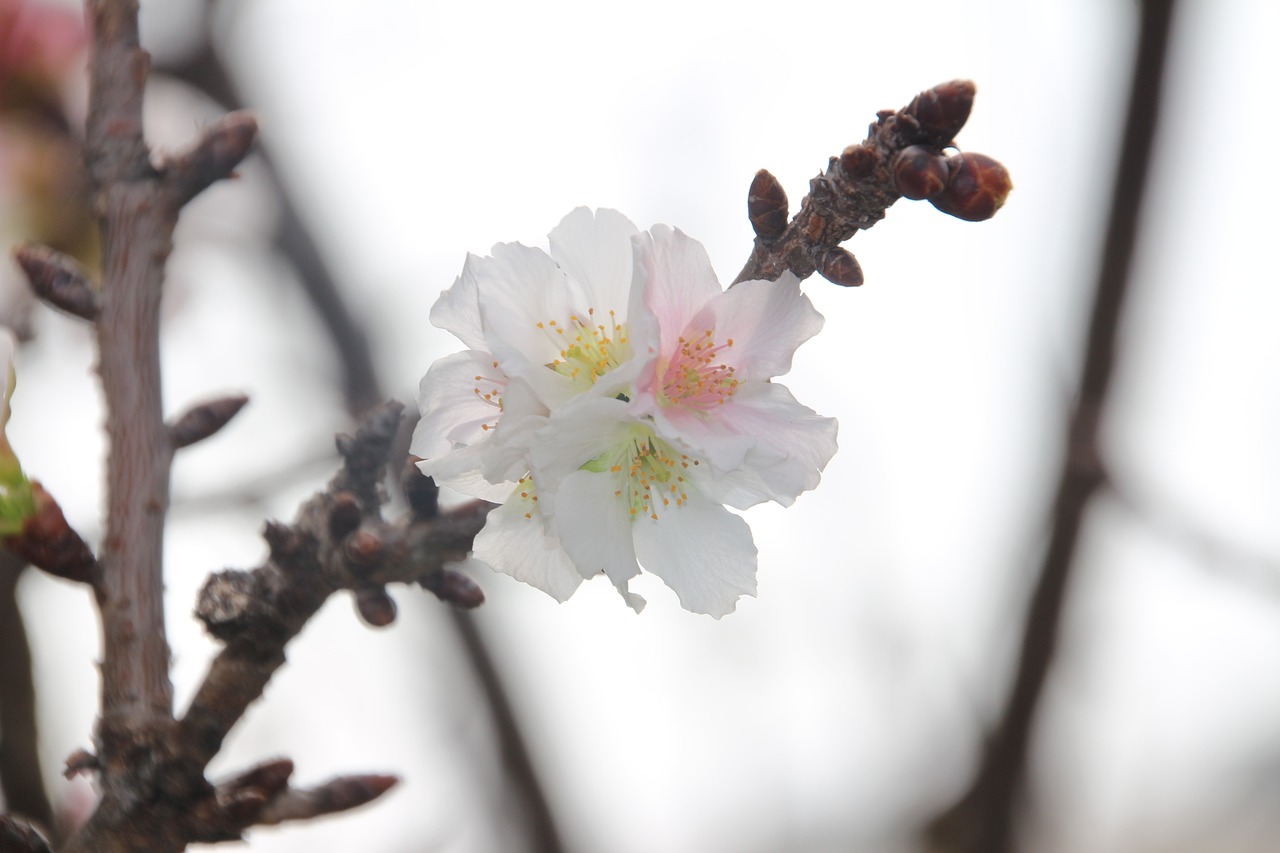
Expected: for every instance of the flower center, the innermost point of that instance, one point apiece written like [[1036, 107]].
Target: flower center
[[651, 474], [696, 377], [588, 350]]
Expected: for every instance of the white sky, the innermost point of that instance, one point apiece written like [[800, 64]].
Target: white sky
[[842, 701]]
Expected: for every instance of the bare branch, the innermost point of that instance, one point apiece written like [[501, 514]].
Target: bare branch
[[257, 612]]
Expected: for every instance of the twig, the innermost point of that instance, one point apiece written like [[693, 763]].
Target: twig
[[982, 821], [20, 777], [901, 156]]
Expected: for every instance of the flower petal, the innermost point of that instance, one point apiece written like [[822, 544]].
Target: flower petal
[[519, 546], [594, 526], [703, 552], [594, 249], [458, 308], [767, 321]]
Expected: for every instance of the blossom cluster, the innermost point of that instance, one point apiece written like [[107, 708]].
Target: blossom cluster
[[615, 400]]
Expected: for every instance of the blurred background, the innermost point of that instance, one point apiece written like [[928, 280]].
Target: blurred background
[[846, 704]]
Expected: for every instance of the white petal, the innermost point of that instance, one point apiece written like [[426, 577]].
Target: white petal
[[578, 433], [594, 526], [452, 403], [703, 552], [767, 321], [519, 289], [458, 308], [520, 547], [595, 250]]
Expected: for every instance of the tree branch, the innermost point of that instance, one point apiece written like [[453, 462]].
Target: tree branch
[[982, 821], [901, 156]]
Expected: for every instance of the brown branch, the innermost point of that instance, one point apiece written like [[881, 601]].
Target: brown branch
[[20, 778], [982, 821], [901, 156], [255, 613]]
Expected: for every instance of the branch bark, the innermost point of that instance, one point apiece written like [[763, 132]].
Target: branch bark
[[982, 821]]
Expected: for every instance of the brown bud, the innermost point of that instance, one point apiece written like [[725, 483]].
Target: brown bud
[[344, 515], [454, 587], [840, 267], [205, 419], [47, 542], [857, 161], [919, 172], [59, 281], [364, 551], [224, 144], [767, 206], [376, 607], [282, 539], [943, 110], [978, 187]]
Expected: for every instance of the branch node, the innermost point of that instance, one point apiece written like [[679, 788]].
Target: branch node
[[420, 490], [345, 515], [59, 281]]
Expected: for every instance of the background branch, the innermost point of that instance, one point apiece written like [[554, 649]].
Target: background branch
[[21, 780], [982, 821]]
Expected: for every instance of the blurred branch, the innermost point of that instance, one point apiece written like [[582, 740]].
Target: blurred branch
[[982, 821], [21, 780]]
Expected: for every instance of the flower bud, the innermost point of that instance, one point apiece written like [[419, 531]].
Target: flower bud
[[767, 206], [840, 267], [978, 188], [943, 110], [919, 172]]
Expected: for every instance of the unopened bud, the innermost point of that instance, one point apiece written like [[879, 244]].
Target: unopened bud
[[919, 172], [978, 187], [767, 206], [840, 267], [376, 607], [454, 587], [943, 110]]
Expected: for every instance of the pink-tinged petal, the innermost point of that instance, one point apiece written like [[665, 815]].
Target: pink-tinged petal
[[594, 249], [520, 546], [678, 280], [594, 526], [794, 446], [703, 552], [458, 308], [766, 320]]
